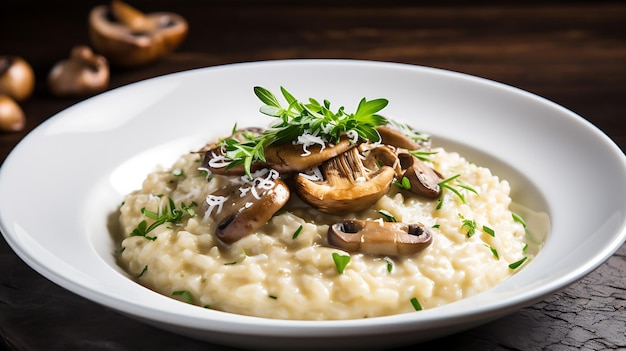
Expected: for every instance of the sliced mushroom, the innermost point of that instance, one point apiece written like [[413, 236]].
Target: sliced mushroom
[[423, 179], [83, 73], [394, 136], [11, 115], [347, 186], [292, 157], [379, 238], [129, 37], [17, 79], [245, 209]]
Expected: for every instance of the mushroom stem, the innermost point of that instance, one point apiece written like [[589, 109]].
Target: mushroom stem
[[131, 17]]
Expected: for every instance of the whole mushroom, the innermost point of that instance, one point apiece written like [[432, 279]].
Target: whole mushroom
[[11, 115], [17, 79], [348, 186], [129, 37], [83, 73]]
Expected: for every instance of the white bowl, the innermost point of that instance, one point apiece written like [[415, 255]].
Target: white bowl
[[60, 184]]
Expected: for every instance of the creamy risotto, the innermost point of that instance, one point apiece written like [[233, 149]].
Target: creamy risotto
[[344, 236]]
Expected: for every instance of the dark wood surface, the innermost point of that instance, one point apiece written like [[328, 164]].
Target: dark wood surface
[[573, 53]]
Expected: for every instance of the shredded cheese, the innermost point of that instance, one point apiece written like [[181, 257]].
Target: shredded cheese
[[308, 139]]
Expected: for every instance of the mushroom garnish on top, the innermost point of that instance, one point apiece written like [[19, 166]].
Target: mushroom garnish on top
[[129, 37], [347, 186], [314, 120]]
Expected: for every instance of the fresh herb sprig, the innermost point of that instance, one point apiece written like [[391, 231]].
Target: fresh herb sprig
[[172, 215], [300, 118]]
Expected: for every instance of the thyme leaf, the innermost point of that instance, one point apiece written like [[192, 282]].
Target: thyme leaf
[[172, 215]]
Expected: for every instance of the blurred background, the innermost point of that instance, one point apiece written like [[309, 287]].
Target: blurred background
[[570, 52]]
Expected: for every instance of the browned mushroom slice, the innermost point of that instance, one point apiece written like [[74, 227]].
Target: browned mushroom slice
[[379, 238], [347, 186], [394, 136], [423, 179], [293, 158], [241, 210], [128, 37]]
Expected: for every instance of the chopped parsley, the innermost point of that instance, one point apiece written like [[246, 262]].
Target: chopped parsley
[[387, 216], [489, 231], [389, 264], [404, 183], [516, 264], [493, 251], [341, 261], [184, 294], [172, 215], [416, 304], [297, 232], [143, 271], [518, 219], [446, 184], [469, 225]]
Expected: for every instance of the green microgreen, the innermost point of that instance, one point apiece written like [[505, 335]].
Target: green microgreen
[[143, 271], [447, 184], [172, 215], [422, 155], [184, 294], [518, 219], [389, 264], [300, 118], [273, 297], [387, 216], [416, 304], [493, 251], [297, 232], [489, 231], [469, 225], [516, 264], [404, 183], [341, 261]]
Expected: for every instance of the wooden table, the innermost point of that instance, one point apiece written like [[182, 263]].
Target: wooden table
[[571, 53]]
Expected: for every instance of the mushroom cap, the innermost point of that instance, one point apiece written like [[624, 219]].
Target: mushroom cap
[[83, 73], [379, 238], [393, 136], [132, 38], [17, 79], [290, 158], [243, 215], [347, 187], [11, 115]]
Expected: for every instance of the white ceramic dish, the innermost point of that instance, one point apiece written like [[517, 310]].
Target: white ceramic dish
[[59, 185]]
